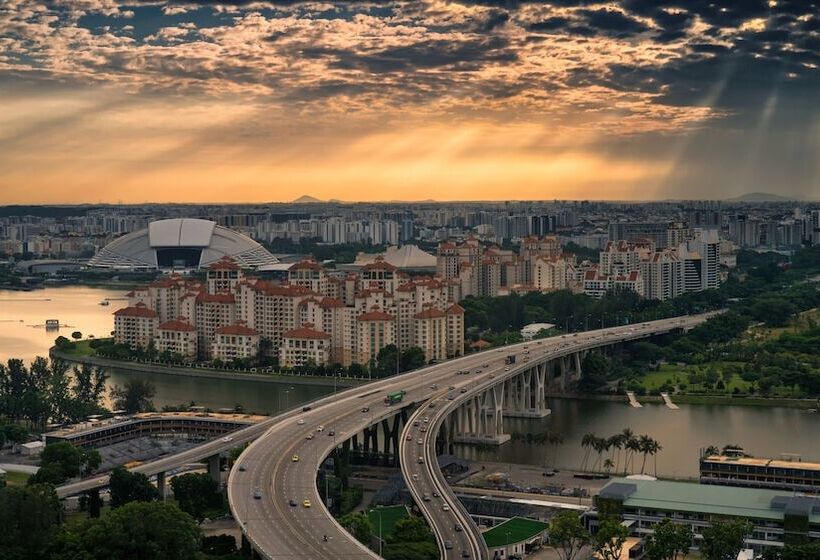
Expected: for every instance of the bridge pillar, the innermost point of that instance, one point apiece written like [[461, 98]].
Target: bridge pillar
[[485, 418], [213, 469], [526, 396], [161, 485]]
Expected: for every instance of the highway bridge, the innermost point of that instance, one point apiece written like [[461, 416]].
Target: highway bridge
[[273, 492]]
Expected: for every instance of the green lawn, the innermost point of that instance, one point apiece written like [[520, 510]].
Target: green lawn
[[514, 530], [80, 348], [389, 517], [17, 478], [674, 374]]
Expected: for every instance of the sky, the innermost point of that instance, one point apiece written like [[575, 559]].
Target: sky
[[203, 101]]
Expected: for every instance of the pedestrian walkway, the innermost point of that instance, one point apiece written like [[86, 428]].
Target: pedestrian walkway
[[668, 401], [633, 402]]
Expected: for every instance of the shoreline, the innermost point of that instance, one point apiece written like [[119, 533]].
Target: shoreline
[[107, 363], [785, 402]]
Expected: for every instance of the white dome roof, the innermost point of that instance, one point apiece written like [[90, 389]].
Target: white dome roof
[[180, 243]]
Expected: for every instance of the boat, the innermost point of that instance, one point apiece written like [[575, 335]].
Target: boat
[[105, 302], [52, 324]]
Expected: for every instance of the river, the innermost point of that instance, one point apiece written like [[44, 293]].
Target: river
[[766, 431]]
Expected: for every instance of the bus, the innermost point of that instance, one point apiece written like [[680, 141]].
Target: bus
[[394, 397]]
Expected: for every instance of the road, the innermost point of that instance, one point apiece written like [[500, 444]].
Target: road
[[282, 465]]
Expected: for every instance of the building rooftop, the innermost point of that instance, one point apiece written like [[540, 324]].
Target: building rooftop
[[513, 530], [764, 462], [730, 501]]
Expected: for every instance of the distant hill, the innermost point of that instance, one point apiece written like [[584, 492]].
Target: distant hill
[[306, 198], [762, 197]]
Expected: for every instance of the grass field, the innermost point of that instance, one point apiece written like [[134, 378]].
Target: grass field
[[389, 517], [80, 348], [675, 375], [17, 478]]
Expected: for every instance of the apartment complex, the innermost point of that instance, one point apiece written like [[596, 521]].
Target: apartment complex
[[315, 316], [664, 273], [787, 473]]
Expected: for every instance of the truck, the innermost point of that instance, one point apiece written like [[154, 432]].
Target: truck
[[510, 359], [394, 397]]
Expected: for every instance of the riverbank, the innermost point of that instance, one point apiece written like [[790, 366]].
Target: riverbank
[[106, 363], [805, 404]]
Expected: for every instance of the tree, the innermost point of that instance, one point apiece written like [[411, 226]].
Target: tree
[[62, 343], [724, 539], [219, 545], [159, 531], [594, 368], [29, 518], [412, 358], [129, 487], [567, 535], [669, 541], [358, 524], [410, 529], [135, 396], [425, 550], [610, 538], [195, 493], [793, 552], [76, 335], [62, 460]]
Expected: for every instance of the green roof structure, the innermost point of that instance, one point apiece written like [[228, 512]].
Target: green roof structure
[[513, 531]]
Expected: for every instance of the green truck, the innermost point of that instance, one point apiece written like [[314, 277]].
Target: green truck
[[394, 397]]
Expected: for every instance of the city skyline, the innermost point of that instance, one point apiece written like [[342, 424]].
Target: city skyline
[[266, 101]]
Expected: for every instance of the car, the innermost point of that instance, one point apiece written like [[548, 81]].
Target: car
[[306, 503], [420, 460], [436, 494], [426, 419], [434, 387], [295, 458], [448, 545], [366, 409], [458, 528], [415, 477], [331, 433], [416, 424], [301, 421], [452, 387], [309, 436], [478, 371], [426, 497], [465, 554], [227, 439], [320, 428], [423, 429], [485, 365], [408, 438], [419, 441], [492, 376], [306, 408], [431, 405], [445, 507], [507, 368], [242, 467], [257, 494], [450, 397], [293, 503], [463, 390]]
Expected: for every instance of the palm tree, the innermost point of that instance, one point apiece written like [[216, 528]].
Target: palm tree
[[600, 445], [711, 450], [616, 443], [608, 464], [645, 447], [554, 439], [586, 443], [656, 448], [627, 435]]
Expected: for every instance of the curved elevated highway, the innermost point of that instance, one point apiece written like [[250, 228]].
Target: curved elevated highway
[[273, 492]]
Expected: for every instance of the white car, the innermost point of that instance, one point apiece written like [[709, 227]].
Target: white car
[[227, 439], [300, 421]]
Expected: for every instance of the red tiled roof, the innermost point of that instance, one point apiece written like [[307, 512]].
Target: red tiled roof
[[222, 297], [237, 329], [287, 290], [331, 302], [455, 309], [375, 316], [307, 264], [379, 264], [225, 263], [480, 344], [177, 325], [431, 313], [305, 332], [139, 310]]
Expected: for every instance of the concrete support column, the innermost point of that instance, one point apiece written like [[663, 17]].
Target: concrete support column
[[213, 469], [161, 485]]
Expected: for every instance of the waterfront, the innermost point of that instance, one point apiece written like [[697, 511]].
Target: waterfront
[[762, 430]]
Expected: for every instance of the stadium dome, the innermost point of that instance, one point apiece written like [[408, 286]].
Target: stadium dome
[[180, 243]]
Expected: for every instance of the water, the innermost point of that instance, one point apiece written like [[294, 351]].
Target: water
[[23, 314], [766, 431]]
